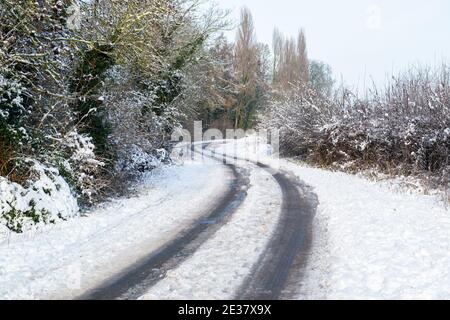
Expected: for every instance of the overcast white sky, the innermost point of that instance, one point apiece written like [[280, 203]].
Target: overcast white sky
[[358, 37]]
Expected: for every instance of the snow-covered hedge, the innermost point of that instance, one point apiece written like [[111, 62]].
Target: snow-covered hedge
[[404, 129]]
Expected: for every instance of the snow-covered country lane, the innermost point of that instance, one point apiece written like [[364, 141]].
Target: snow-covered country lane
[[256, 229]]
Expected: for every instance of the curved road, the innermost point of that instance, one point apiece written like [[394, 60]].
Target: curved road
[[288, 247]]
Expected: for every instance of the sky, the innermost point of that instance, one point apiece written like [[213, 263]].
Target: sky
[[362, 40]]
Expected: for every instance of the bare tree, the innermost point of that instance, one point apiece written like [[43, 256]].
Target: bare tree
[[277, 48], [303, 62]]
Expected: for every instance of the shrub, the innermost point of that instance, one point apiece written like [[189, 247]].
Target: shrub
[[46, 198]]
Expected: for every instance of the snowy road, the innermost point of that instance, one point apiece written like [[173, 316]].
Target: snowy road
[[209, 230], [289, 240]]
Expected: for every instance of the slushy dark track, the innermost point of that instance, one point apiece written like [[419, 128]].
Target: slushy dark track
[[290, 244]]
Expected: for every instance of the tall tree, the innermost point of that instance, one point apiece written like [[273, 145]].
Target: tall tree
[[277, 48], [303, 63], [246, 66]]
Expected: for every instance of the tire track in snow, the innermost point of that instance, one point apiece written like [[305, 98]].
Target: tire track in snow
[[134, 281], [287, 253]]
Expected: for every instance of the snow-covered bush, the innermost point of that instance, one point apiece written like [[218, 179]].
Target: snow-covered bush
[[46, 198], [140, 125], [300, 113], [137, 161], [80, 167]]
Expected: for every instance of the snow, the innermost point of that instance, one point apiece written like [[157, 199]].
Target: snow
[[83, 148], [380, 244], [65, 260]]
